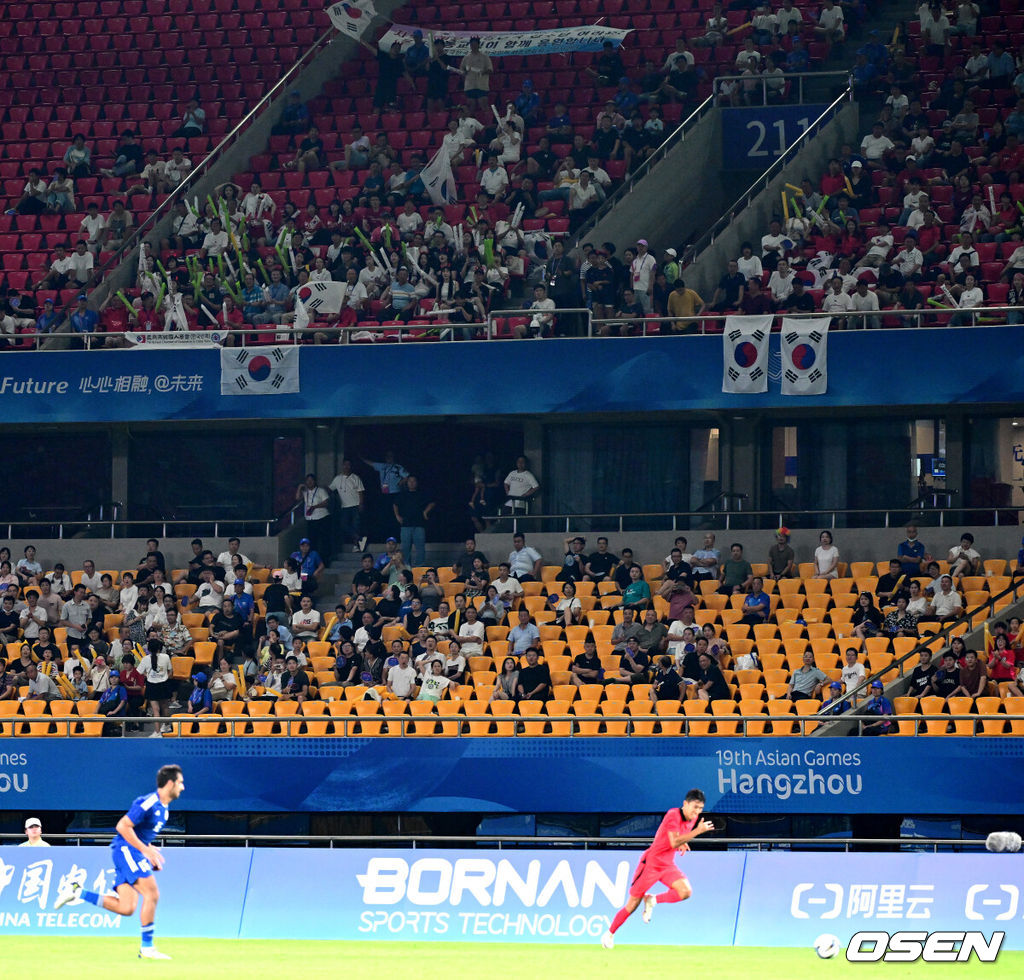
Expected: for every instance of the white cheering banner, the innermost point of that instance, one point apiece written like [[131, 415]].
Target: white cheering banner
[[497, 44], [805, 356], [175, 338], [745, 354], [259, 371], [325, 297], [352, 17]]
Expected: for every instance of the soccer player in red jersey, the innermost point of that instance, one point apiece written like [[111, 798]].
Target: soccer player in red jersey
[[657, 863]]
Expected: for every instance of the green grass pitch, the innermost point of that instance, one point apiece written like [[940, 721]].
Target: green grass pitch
[[35, 957]]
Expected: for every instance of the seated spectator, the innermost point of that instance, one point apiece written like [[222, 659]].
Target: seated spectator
[[807, 680], [568, 610], [947, 603], [973, 678], [736, 574], [637, 594], [666, 684], [634, 664], [601, 563], [128, 157], [852, 672], [586, 667], [223, 685], [523, 635], [710, 682], [867, 617], [40, 686], [900, 622], [964, 559], [757, 605], [877, 705], [200, 699], [295, 683], [506, 687], [729, 292], [534, 679], [833, 702]]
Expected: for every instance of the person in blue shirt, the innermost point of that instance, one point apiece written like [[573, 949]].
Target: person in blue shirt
[[84, 320], [200, 701], [244, 603], [135, 859], [311, 566], [114, 702], [417, 55], [527, 102], [294, 119], [911, 553], [400, 297], [50, 319], [835, 703], [758, 605], [877, 705]]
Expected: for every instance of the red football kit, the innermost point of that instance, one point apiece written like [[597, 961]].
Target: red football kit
[[658, 862]]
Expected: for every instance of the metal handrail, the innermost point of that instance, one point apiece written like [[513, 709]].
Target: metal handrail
[[86, 838], [740, 204], [167, 526], [985, 610], [786, 76], [684, 519], [706, 324], [137, 236], [631, 180]]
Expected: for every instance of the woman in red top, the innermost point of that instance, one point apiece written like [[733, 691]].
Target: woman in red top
[[834, 179], [1002, 665]]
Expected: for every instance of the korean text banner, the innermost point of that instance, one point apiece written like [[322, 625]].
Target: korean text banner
[[500, 43], [426, 775], [549, 895]]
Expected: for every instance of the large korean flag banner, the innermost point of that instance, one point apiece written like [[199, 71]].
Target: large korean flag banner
[[259, 371], [352, 17], [745, 354], [805, 356]]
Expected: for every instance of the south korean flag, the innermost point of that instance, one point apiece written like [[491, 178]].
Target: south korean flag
[[745, 354], [259, 371], [805, 356]]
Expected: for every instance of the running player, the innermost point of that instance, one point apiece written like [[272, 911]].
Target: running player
[[657, 863], [135, 859]]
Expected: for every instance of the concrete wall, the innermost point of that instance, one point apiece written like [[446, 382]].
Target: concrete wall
[[676, 200], [752, 222], [854, 544]]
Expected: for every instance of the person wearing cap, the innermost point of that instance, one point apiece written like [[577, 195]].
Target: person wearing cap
[[51, 319], [833, 702], [114, 702], [416, 55], [641, 272], [83, 320], [671, 266], [33, 834], [384, 560], [781, 557], [877, 705]]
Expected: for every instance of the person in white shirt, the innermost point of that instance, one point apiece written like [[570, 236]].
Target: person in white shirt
[[509, 588], [780, 285], [788, 14], [472, 632], [351, 500], [965, 250], [543, 316], [970, 297], [520, 486], [908, 260], [402, 678], [831, 26], [305, 623], [59, 272], [216, 240], [599, 177], [583, 195], [864, 300], [409, 221], [964, 559], [835, 301], [875, 145], [880, 245], [749, 264], [33, 834], [176, 169], [314, 500], [92, 226], [226, 559], [80, 272], [947, 602], [852, 672], [642, 270], [494, 179]]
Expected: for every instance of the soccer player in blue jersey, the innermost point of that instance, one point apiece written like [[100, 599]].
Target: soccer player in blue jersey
[[135, 859]]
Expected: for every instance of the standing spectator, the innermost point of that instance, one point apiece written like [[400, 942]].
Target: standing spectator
[[351, 500], [315, 499], [412, 510], [642, 272], [781, 557], [520, 487], [477, 69], [826, 557], [310, 567]]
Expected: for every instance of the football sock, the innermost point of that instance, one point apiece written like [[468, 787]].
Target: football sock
[[620, 917], [670, 896], [147, 935], [93, 898]]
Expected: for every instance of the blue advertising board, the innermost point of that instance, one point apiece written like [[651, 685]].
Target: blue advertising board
[[557, 376], [536, 896], [524, 775], [754, 138]]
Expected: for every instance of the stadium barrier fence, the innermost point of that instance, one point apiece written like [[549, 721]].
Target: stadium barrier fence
[[530, 895]]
